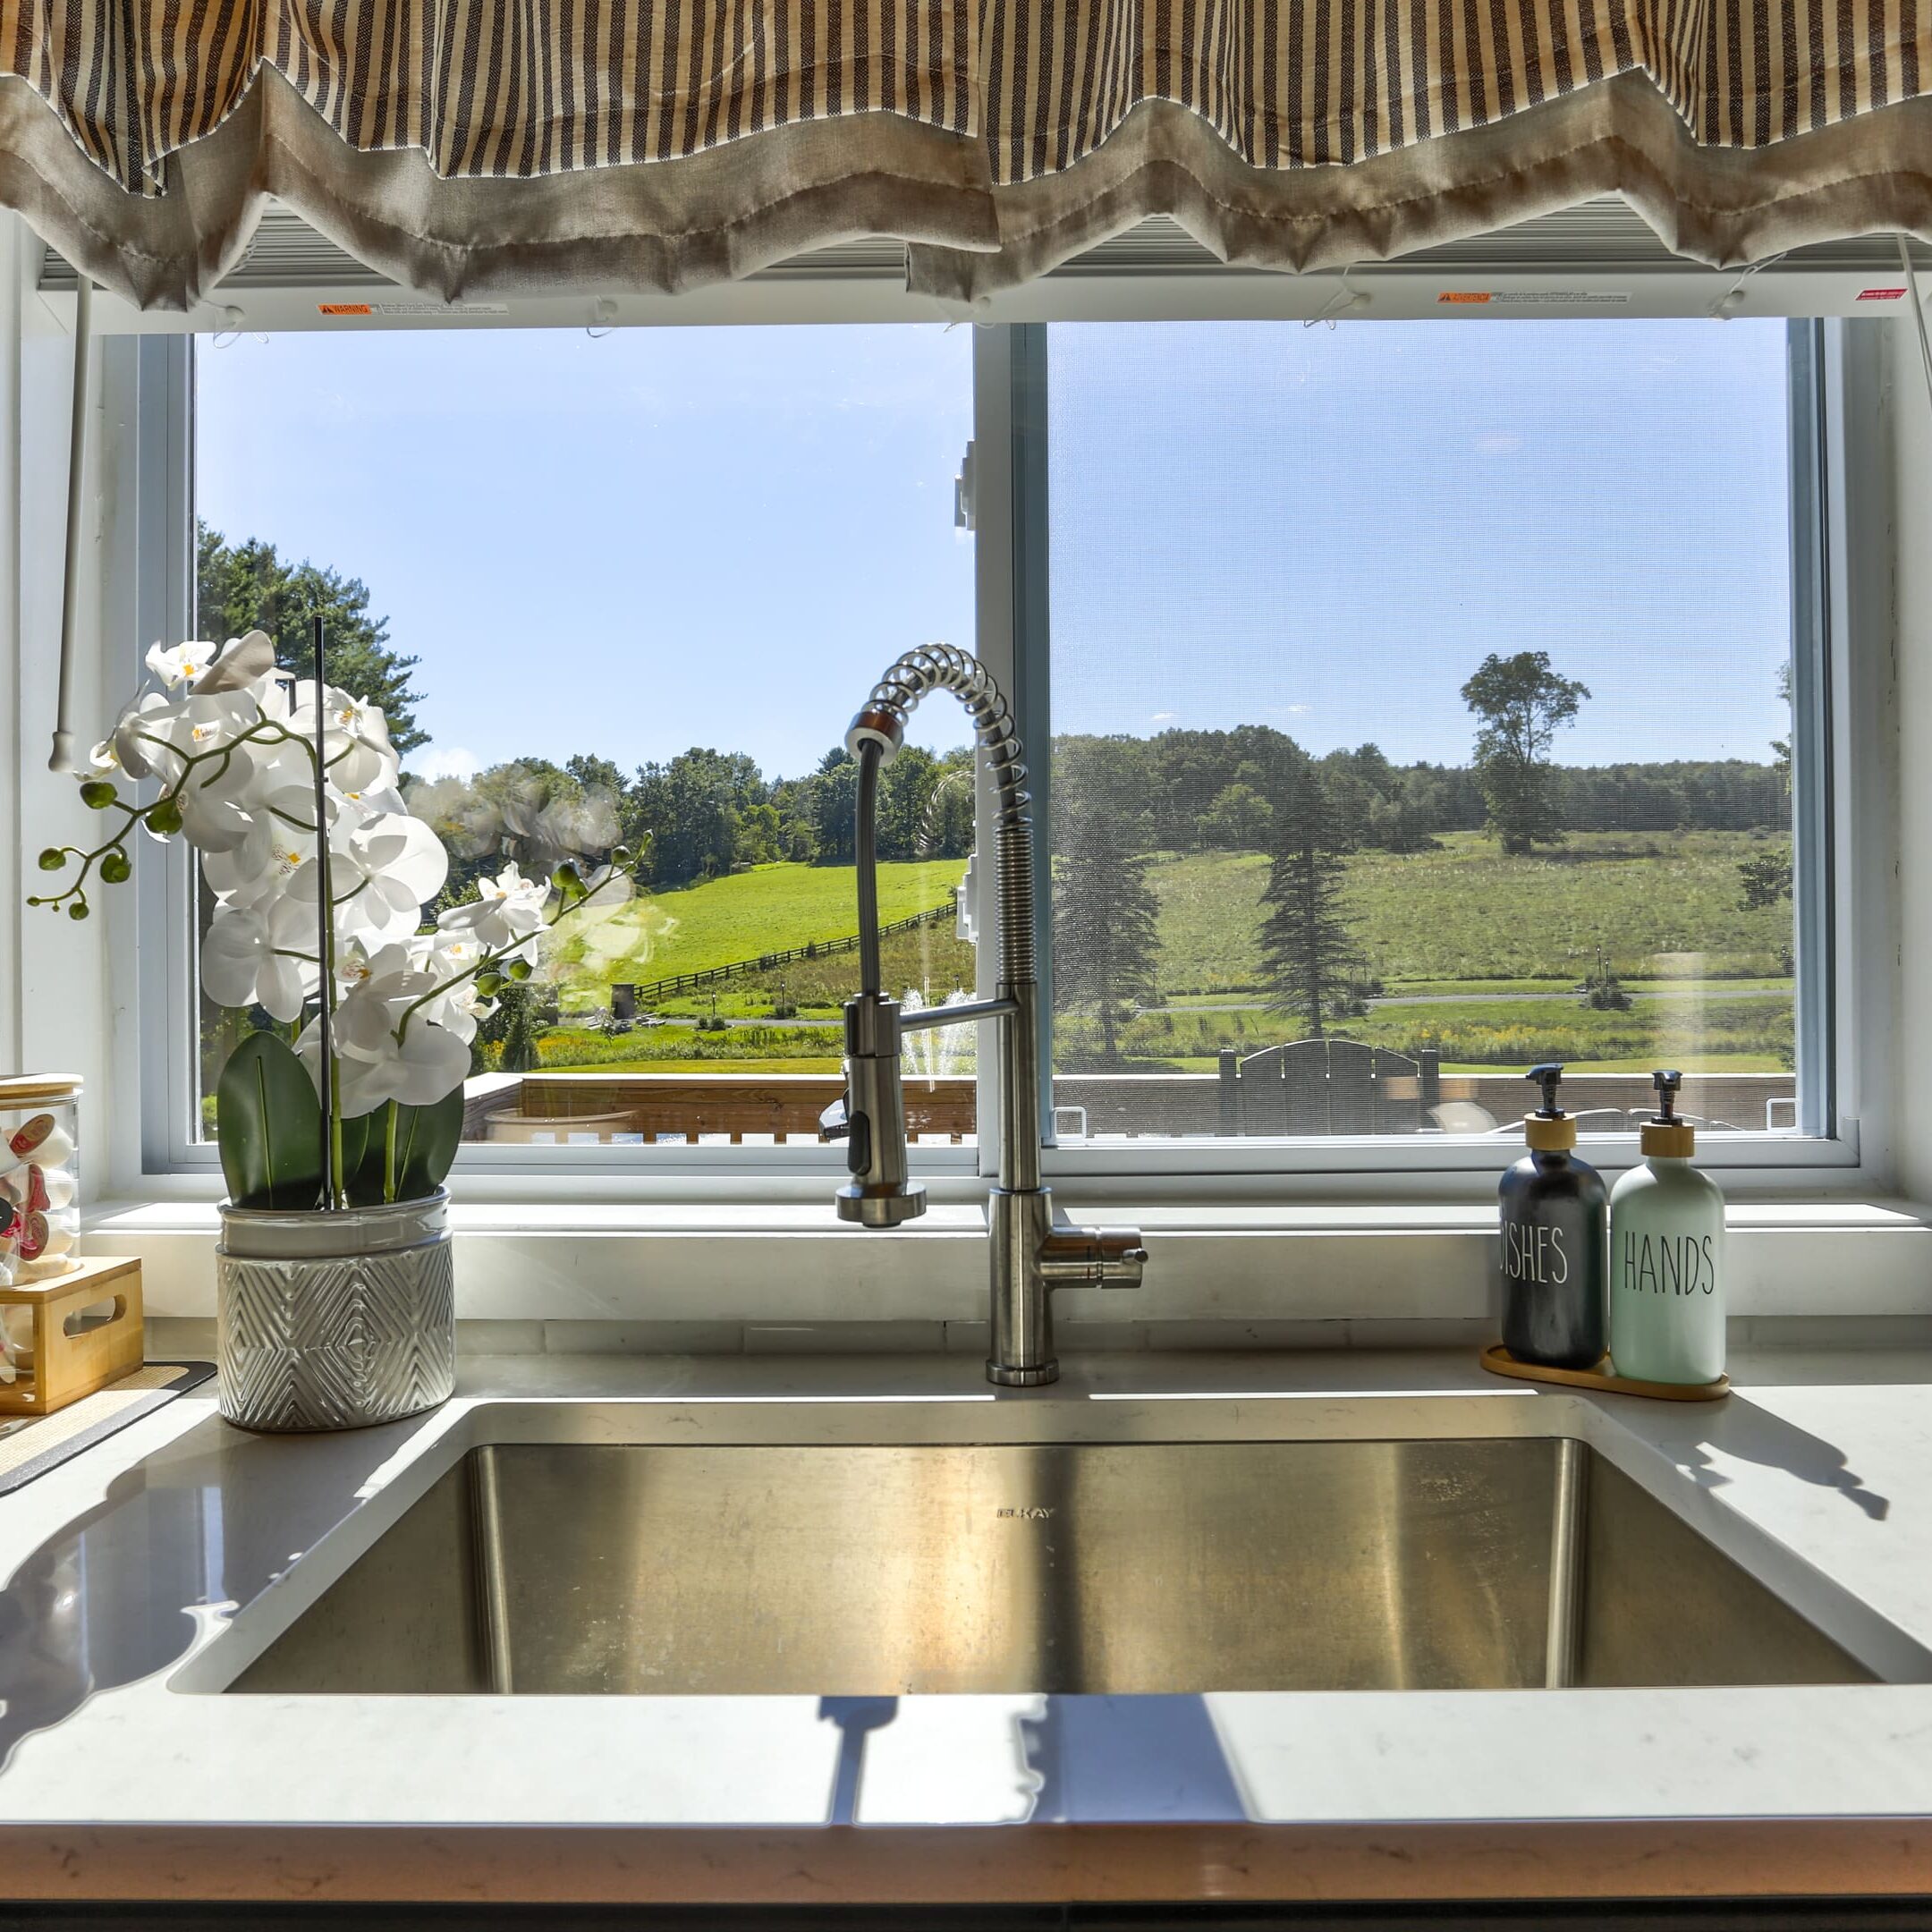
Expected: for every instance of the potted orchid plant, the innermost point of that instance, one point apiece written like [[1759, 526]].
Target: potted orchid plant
[[337, 1124]]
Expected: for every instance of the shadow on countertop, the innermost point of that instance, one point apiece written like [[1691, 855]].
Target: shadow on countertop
[[201, 1526]]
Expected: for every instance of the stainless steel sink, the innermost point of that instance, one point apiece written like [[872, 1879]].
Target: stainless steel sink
[[1147, 1567]]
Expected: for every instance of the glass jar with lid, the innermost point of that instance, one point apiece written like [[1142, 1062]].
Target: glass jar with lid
[[39, 1176]]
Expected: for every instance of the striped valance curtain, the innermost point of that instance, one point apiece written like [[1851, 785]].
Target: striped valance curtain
[[471, 147]]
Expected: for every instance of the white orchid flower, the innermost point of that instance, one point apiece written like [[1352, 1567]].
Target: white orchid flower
[[143, 729], [355, 739], [243, 661], [362, 1086], [212, 820], [242, 967], [401, 856], [383, 986], [373, 1064], [213, 667], [506, 911], [180, 664], [451, 963]]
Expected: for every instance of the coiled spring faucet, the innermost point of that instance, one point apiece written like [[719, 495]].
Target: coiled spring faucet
[[1033, 1251]]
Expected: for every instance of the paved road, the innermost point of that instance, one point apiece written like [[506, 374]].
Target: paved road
[[1481, 999], [1401, 999]]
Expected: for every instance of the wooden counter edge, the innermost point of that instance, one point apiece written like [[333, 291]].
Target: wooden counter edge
[[983, 1864]]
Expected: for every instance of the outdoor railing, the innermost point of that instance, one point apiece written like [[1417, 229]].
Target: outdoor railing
[[646, 994], [651, 1108]]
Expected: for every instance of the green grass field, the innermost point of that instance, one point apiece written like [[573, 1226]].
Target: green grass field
[[1663, 906], [1743, 1036], [1478, 942], [768, 908]]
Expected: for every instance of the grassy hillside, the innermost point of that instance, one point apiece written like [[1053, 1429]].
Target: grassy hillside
[[1664, 907], [1475, 951], [765, 910], [1744, 1034]]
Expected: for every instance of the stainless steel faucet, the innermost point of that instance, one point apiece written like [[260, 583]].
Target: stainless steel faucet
[[1033, 1251]]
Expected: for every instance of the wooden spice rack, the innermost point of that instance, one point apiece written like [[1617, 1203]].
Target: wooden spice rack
[[71, 1357]]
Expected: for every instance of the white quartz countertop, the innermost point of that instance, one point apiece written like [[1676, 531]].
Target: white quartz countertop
[[144, 1575]]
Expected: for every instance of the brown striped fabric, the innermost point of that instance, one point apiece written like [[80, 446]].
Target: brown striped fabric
[[489, 87], [1299, 83], [521, 89]]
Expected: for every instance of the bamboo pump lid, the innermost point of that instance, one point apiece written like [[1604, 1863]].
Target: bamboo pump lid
[[1549, 1129], [1664, 1134]]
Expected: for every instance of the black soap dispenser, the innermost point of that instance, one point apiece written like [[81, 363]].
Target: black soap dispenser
[[1553, 1234]]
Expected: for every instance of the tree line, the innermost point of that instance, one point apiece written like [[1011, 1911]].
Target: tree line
[[1212, 791], [1118, 801]]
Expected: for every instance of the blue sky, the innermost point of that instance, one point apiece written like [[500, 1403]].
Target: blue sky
[[670, 536]]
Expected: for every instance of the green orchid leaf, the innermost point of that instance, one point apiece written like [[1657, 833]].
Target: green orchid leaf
[[269, 1126], [427, 1140], [362, 1158]]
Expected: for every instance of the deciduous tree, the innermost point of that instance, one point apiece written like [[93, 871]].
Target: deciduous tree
[[1521, 703]]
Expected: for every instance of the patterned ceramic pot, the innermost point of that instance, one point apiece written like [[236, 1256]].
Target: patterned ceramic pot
[[334, 1321]]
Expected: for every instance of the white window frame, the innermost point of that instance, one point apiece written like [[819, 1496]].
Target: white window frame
[[1843, 838], [1844, 902]]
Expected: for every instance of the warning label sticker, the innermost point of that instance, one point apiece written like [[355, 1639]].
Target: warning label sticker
[[410, 308], [1536, 298]]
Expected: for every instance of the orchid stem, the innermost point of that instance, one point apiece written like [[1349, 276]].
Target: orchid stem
[[389, 1136]]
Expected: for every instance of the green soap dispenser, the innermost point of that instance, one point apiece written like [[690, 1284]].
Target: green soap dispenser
[[1667, 1256]]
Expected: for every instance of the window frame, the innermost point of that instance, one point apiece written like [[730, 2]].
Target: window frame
[[1842, 527], [1841, 646]]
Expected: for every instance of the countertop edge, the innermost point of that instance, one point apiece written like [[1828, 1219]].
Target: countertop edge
[[1620, 1859]]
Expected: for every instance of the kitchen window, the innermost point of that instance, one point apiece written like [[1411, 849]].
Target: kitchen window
[[1422, 709], [1406, 701], [625, 589]]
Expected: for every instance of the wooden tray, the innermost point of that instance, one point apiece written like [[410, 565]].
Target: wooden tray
[[1498, 1360], [68, 1362]]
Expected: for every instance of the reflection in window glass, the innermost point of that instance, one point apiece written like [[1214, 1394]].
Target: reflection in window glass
[[1421, 705], [630, 590]]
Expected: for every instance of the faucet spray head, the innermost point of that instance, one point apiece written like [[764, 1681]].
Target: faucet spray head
[[871, 1120], [876, 726]]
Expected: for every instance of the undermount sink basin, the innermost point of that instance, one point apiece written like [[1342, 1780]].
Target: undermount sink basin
[[868, 1570]]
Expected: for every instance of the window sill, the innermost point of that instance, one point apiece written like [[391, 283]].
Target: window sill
[[1238, 1262]]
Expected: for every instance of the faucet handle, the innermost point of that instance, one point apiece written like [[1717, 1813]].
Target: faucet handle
[[1121, 1256], [1092, 1258], [835, 1123]]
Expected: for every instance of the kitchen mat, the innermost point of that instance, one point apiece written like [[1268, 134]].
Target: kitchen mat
[[43, 1443]]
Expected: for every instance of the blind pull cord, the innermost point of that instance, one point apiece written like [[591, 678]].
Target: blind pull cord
[[62, 756]]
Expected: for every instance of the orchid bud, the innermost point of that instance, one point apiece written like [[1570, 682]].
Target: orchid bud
[[114, 868], [518, 969], [53, 858], [98, 794], [164, 815], [489, 985]]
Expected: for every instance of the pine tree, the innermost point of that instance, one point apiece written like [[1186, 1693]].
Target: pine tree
[[519, 1054], [247, 586], [1104, 912], [1307, 950]]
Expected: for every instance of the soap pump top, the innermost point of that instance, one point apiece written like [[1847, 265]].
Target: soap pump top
[[1663, 1133], [1549, 1129]]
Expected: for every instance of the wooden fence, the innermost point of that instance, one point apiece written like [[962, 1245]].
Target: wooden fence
[[648, 993], [552, 1109], [560, 1109]]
